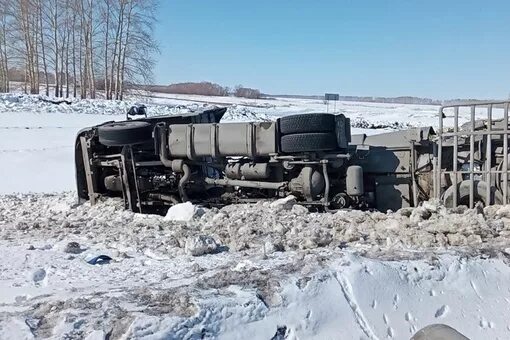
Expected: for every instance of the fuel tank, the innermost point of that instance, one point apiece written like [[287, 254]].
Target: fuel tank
[[222, 139]]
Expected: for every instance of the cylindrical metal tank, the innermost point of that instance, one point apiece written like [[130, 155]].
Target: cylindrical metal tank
[[247, 171], [219, 140], [354, 181]]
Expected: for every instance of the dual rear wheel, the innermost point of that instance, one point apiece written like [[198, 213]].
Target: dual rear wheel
[[308, 133]]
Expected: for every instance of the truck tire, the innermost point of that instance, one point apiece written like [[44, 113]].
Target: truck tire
[[304, 142], [306, 123], [124, 133], [480, 194], [438, 332]]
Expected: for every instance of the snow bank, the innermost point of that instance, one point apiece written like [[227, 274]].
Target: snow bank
[[12, 102], [250, 226]]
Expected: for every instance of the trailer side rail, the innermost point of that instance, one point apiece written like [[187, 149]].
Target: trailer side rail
[[448, 137]]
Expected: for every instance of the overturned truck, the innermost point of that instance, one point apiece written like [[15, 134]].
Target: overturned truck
[[155, 162]]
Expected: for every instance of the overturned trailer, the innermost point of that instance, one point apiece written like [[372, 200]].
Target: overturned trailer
[[155, 162]]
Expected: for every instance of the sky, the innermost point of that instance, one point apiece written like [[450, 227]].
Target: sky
[[440, 49]]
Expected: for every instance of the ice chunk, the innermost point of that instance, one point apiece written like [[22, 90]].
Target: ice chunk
[[184, 212], [201, 245], [284, 203]]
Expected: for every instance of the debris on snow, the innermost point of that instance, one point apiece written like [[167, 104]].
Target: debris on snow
[[100, 260], [73, 248]]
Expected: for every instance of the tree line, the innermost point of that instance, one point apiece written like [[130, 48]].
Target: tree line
[[206, 88], [77, 47]]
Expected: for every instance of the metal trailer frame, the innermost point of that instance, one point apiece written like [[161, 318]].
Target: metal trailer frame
[[487, 133]]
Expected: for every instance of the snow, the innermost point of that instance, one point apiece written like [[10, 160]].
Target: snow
[[183, 212], [252, 270], [364, 275]]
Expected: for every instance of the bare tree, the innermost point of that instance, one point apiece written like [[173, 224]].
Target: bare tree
[[73, 35], [54, 14], [40, 10], [69, 43], [117, 45], [4, 69], [136, 68], [106, 15], [28, 22]]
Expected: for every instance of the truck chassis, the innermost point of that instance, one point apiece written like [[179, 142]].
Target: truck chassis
[[155, 162]]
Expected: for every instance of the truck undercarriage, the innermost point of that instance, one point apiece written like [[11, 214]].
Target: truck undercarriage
[[156, 162]]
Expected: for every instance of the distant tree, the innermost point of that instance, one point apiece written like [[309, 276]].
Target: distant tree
[[246, 92], [202, 88]]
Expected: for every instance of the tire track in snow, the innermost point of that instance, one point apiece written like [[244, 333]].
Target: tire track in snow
[[356, 310], [475, 289]]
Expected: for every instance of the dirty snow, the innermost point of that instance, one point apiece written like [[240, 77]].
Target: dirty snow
[[249, 270], [270, 270]]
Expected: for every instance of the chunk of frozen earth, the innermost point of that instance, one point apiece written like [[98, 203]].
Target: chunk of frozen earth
[[200, 245], [183, 212], [73, 248], [284, 203], [38, 275]]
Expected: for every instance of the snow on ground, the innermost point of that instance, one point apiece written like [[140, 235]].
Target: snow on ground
[[347, 275], [264, 271]]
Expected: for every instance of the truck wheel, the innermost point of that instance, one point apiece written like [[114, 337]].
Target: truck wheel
[[310, 122], [303, 142], [124, 133], [480, 194], [438, 332]]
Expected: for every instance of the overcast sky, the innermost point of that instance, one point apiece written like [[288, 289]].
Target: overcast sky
[[438, 49]]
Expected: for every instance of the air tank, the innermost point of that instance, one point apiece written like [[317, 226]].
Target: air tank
[[354, 181]]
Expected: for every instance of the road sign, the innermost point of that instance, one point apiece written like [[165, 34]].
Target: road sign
[[332, 96]]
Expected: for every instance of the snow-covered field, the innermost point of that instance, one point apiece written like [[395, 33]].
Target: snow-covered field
[[263, 271]]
